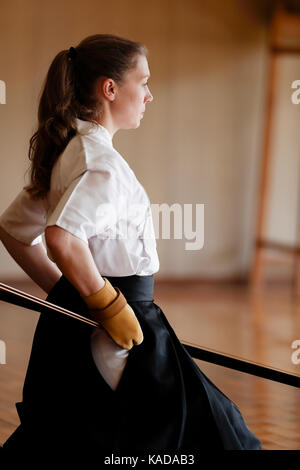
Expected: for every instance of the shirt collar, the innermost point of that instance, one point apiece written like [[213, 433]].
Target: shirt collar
[[87, 127]]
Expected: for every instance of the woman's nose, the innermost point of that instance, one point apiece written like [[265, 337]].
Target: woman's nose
[[149, 97]]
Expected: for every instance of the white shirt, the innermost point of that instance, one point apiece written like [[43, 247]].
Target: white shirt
[[94, 195]]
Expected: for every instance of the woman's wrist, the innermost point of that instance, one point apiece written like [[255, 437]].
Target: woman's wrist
[[95, 287]]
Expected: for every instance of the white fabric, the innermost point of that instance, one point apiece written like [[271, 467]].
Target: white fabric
[[96, 196], [109, 358], [24, 219]]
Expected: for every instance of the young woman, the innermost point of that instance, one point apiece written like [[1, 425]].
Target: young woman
[[129, 385]]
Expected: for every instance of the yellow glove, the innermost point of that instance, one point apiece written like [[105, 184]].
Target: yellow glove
[[110, 309]]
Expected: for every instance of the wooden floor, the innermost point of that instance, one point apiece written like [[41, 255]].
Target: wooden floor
[[229, 319]]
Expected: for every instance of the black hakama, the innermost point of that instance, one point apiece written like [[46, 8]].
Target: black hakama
[[163, 400]]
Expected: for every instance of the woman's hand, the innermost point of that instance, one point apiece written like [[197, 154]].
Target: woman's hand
[[109, 307]]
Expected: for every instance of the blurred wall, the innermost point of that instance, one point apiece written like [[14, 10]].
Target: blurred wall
[[200, 139]]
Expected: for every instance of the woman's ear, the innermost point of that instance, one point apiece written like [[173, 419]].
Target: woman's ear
[[106, 89]]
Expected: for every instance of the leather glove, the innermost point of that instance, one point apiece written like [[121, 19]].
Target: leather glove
[[110, 309]]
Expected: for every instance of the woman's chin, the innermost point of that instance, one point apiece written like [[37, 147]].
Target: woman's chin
[[133, 125], [138, 123]]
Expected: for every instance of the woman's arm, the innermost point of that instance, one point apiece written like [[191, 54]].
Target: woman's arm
[[74, 259], [33, 260]]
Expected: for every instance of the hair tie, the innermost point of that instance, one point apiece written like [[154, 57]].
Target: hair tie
[[72, 53]]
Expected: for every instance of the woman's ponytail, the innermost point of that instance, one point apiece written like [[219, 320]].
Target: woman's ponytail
[[56, 119]]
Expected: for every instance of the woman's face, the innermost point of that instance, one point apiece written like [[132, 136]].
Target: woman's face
[[131, 96]]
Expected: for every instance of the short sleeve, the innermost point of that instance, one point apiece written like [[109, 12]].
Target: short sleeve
[[87, 207], [25, 218]]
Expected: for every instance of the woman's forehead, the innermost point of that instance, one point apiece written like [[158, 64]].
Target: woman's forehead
[[140, 72], [142, 67]]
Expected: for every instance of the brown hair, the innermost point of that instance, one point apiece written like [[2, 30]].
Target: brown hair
[[69, 93]]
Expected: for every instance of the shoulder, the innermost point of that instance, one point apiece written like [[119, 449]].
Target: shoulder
[[89, 153], [81, 154], [102, 157]]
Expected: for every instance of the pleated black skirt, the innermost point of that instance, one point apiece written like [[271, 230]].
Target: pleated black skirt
[[163, 401]]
